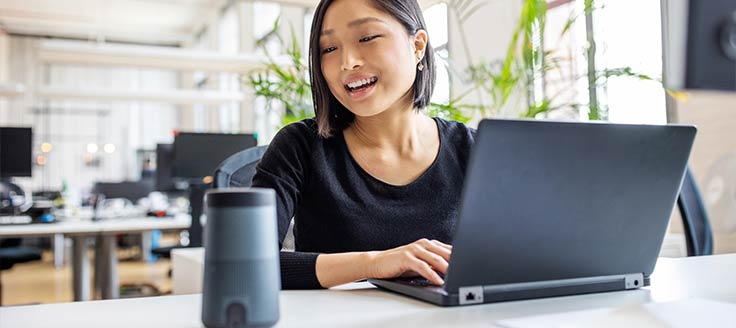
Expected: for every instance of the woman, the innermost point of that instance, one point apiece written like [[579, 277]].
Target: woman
[[373, 183]]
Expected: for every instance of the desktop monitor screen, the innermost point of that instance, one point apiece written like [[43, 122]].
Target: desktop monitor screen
[[132, 190], [164, 170], [16, 156], [197, 155]]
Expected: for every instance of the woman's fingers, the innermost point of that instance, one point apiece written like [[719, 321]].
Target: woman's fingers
[[441, 244], [436, 247], [436, 261], [442, 251], [426, 258], [423, 269]]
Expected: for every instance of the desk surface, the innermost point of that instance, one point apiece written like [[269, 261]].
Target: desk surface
[[83, 227], [361, 305]]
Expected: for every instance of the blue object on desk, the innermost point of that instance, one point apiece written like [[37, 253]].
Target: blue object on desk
[[47, 218], [155, 238]]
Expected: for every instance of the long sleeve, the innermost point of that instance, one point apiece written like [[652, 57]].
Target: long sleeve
[[284, 168], [338, 207]]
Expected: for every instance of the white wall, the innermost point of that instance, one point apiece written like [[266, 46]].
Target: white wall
[[70, 125], [4, 67], [713, 159], [4, 54], [130, 126]]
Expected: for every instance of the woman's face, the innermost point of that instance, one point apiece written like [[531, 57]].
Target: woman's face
[[368, 58]]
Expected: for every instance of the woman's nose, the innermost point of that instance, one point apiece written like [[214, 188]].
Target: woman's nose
[[351, 60]]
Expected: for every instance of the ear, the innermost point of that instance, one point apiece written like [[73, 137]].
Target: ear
[[420, 44]]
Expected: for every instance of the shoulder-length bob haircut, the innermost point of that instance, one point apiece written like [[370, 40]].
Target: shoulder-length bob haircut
[[332, 116]]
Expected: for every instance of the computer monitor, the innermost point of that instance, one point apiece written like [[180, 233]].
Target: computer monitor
[[16, 154], [197, 155], [164, 170], [131, 190]]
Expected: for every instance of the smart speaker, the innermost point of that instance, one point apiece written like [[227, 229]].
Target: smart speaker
[[241, 262]]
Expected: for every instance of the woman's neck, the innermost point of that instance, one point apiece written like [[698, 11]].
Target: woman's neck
[[401, 130]]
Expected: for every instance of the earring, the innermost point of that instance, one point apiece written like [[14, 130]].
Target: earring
[[420, 67]]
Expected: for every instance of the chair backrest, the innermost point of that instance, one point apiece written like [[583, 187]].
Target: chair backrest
[[238, 169], [698, 234]]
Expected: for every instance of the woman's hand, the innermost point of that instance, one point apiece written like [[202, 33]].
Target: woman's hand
[[423, 257]]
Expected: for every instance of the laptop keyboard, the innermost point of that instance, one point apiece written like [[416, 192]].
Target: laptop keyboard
[[417, 281], [420, 282]]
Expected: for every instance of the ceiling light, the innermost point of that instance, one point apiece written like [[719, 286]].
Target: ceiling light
[[46, 147]]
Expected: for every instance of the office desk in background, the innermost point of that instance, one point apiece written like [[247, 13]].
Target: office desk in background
[[105, 251], [362, 305]]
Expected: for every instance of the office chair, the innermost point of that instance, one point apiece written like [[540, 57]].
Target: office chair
[[235, 171], [698, 234], [238, 170], [12, 253]]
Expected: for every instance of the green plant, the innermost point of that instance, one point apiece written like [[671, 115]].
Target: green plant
[[284, 79], [527, 64], [454, 110]]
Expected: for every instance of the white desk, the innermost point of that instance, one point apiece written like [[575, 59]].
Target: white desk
[[361, 305], [188, 263], [106, 253]]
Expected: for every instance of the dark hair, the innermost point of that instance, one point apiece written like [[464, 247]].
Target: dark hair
[[331, 115]]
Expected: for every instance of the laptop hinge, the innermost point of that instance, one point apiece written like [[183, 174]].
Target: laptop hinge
[[634, 280], [629, 281]]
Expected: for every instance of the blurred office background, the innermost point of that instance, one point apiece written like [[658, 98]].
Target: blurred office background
[[102, 83]]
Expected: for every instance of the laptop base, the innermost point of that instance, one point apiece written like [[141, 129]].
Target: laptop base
[[512, 292]]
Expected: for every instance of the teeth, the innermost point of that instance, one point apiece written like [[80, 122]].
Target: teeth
[[362, 82]]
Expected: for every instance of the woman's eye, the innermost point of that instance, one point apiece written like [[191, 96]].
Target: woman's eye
[[328, 50], [368, 38]]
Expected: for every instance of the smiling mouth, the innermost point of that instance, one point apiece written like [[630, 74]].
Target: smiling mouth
[[361, 84]]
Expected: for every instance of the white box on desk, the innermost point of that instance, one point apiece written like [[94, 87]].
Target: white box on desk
[[187, 268]]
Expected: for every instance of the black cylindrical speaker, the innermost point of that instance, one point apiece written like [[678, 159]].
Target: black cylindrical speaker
[[241, 262]]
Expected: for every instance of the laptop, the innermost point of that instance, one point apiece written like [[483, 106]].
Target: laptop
[[559, 208]]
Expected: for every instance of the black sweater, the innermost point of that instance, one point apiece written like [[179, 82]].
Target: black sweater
[[339, 207]]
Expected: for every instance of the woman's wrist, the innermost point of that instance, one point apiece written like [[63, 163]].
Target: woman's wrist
[[338, 269], [367, 267]]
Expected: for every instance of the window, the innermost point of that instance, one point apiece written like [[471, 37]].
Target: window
[[266, 14], [437, 28], [227, 32], [228, 43], [626, 34], [630, 33]]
